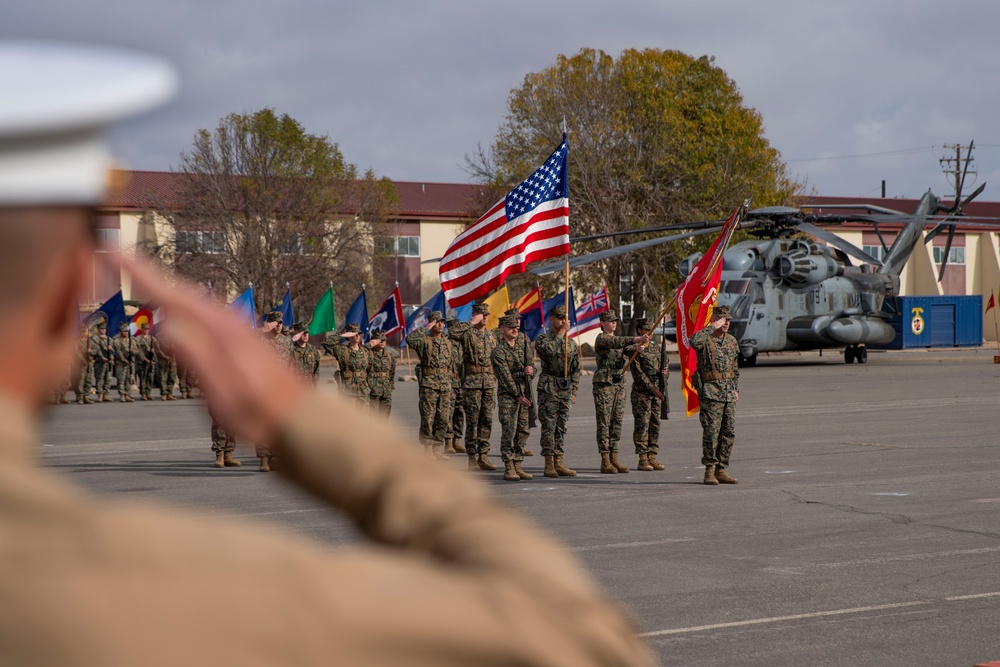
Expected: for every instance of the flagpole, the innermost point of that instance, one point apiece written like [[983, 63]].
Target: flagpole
[[996, 359], [566, 346]]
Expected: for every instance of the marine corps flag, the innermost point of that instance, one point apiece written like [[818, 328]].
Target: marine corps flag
[[695, 299]]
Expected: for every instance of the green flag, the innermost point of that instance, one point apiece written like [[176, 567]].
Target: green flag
[[324, 317]]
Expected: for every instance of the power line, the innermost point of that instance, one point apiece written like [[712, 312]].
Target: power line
[[903, 151]]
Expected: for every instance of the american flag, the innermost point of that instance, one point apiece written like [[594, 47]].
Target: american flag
[[587, 315], [529, 224]]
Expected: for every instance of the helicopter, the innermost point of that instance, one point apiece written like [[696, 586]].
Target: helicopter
[[787, 292]]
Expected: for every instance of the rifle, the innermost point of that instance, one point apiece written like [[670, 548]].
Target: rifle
[[662, 380]]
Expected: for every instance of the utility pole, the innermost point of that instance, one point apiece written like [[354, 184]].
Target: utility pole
[[957, 168]]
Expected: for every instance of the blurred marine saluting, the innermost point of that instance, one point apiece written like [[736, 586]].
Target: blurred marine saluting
[[86, 581]]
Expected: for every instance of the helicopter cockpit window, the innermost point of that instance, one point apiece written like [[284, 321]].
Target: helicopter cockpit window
[[750, 288]]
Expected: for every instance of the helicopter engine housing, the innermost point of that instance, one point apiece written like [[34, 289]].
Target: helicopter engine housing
[[800, 268]]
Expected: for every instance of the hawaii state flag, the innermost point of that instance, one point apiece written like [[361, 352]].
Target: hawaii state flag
[[695, 299], [529, 224], [588, 314], [389, 316]]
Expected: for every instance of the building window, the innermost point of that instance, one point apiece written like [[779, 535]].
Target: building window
[[876, 251], [625, 297], [399, 246], [191, 242], [108, 240], [955, 256]]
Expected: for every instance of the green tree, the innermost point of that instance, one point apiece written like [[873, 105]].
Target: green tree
[[263, 201], [656, 137]]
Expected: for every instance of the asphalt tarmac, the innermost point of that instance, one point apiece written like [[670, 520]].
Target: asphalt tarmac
[[865, 528]]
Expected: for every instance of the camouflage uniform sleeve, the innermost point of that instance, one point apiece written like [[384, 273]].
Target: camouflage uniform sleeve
[[417, 340], [700, 339], [574, 366]]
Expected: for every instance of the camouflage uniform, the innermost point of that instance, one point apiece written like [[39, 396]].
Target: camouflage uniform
[[645, 405], [305, 356], [435, 354], [554, 403], [100, 349], [508, 366], [479, 385], [282, 346], [144, 356], [354, 367], [85, 363], [609, 387], [718, 376], [222, 440], [456, 422], [382, 378], [186, 380], [168, 369], [123, 348]]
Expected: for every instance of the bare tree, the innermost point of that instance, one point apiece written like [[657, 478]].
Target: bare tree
[[262, 201]]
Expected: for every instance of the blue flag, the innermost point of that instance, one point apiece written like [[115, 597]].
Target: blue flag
[[358, 314], [114, 312], [559, 300], [464, 313], [243, 306], [531, 324], [418, 318], [389, 316]]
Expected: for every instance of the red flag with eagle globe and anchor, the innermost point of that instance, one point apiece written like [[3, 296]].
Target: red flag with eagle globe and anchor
[[695, 299]]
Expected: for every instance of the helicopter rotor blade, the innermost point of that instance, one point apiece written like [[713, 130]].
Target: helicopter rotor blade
[[947, 251], [583, 260], [838, 242]]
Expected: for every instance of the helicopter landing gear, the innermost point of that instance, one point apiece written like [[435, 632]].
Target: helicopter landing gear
[[857, 353], [746, 361]]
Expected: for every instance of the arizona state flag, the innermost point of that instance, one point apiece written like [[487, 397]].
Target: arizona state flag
[[695, 299]]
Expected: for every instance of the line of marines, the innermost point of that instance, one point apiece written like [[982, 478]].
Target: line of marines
[[464, 370]]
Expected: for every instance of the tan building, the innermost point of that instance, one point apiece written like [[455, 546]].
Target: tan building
[[430, 215]]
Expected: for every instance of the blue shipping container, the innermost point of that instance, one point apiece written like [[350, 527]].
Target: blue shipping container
[[936, 321]]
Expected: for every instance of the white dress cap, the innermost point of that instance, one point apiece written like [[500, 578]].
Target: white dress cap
[[57, 100]]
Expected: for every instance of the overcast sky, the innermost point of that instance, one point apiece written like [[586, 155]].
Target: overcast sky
[[851, 92]]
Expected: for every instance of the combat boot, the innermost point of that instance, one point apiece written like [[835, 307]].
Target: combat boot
[[614, 461], [457, 444], [656, 464], [437, 454], [710, 476], [163, 397], [220, 461], [607, 467], [509, 473], [171, 397], [527, 452], [229, 461], [562, 470], [449, 446], [79, 399], [520, 471], [473, 465], [644, 463], [129, 399], [484, 463], [723, 477], [86, 400], [106, 399], [265, 465], [550, 467]]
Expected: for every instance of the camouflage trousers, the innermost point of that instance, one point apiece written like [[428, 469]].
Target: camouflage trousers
[[514, 429], [123, 372], [609, 402], [168, 377], [718, 428], [553, 415], [435, 410], [381, 405], [359, 391], [478, 407], [222, 440], [86, 382], [102, 377], [144, 378], [456, 423], [646, 411]]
